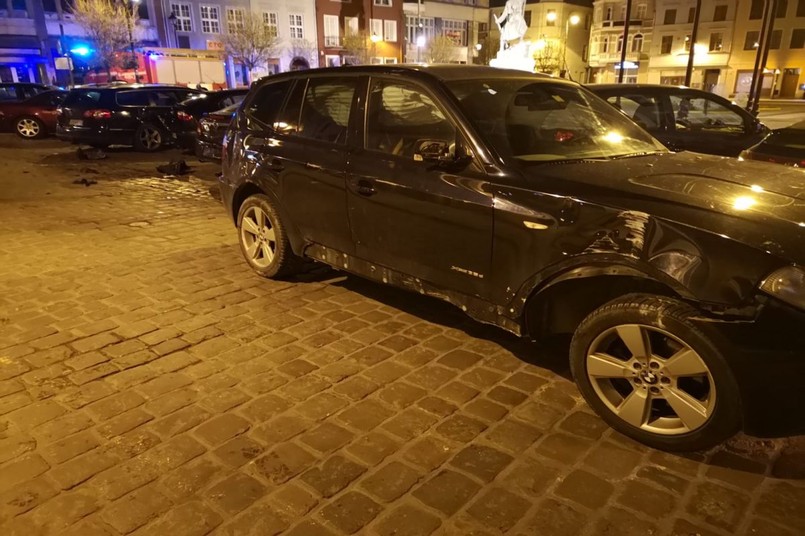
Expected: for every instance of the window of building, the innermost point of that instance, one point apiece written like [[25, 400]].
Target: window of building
[[585, 53], [48, 5], [376, 27], [297, 27], [691, 15], [390, 30], [620, 43], [801, 8], [183, 21], [271, 22], [782, 8], [326, 108], [670, 16], [640, 14], [456, 31], [751, 40], [720, 13], [666, 44], [332, 37], [210, 21], [637, 43], [550, 18], [183, 41], [386, 3], [687, 43], [423, 26], [716, 41], [608, 14], [605, 45], [527, 17], [798, 39], [776, 39], [19, 5], [351, 25], [234, 19], [756, 10]]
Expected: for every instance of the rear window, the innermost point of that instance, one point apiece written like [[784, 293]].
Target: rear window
[[8, 93], [83, 98], [151, 97]]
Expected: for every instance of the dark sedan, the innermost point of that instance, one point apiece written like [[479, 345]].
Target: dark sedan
[[535, 206], [190, 112], [782, 146], [34, 117], [210, 133], [685, 119]]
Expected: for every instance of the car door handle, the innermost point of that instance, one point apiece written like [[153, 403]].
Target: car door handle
[[365, 188], [315, 167]]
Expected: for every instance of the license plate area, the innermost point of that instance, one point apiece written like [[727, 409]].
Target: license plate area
[[76, 122]]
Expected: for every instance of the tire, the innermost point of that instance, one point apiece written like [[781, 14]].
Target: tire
[[263, 240], [148, 138], [29, 128], [682, 398]]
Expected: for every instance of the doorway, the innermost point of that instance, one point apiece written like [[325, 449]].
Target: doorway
[[711, 79], [789, 83]]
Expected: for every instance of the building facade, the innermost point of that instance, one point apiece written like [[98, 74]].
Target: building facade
[[607, 43], [464, 22], [359, 31]]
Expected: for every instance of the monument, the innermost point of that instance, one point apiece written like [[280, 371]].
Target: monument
[[512, 25]]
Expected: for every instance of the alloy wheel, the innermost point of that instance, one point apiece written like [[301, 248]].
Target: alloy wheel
[[651, 379], [258, 237], [28, 128], [150, 138]]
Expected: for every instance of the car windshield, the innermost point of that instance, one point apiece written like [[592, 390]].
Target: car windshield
[[792, 137], [541, 121]]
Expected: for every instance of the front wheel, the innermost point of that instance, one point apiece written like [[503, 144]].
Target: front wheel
[[654, 376], [30, 128], [263, 239]]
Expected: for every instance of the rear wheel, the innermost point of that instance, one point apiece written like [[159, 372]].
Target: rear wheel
[[30, 128], [653, 375], [263, 240], [148, 138]]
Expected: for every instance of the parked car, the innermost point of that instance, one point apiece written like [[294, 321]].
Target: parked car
[[685, 119], [198, 106], [533, 205], [211, 130], [20, 91], [34, 117], [138, 115], [782, 145]]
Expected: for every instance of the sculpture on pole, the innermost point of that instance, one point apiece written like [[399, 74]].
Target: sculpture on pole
[[511, 22]]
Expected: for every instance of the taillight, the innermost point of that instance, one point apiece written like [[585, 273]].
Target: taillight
[[183, 116], [98, 114]]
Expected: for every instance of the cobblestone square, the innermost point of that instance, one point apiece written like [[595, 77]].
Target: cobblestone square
[[150, 383]]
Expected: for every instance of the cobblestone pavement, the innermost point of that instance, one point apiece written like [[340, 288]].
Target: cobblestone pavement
[[151, 384]]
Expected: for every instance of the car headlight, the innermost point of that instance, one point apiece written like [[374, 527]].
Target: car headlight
[[787, 284]]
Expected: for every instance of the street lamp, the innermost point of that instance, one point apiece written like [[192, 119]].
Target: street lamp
[[129, 14], [551, 16], [375, 38], [572, 20]]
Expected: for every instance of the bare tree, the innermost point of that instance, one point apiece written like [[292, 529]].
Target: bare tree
[[108, 25], [358, 47], [304, 49], [251, 42], [441, 49], [548, 56], [489, 50]]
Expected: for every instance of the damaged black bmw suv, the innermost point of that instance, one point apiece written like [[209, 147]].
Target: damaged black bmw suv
[[535, 206]]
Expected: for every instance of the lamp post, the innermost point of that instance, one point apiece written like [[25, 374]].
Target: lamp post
[[129, 13], [572, 20]]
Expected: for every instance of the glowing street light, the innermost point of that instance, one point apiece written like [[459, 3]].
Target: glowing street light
[[573, 20], [420, 41], [375, 38], [551, 16]]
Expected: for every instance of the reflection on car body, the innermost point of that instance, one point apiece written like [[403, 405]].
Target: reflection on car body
[[535, 206]]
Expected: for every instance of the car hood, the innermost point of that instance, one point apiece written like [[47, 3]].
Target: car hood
[[759, 203]]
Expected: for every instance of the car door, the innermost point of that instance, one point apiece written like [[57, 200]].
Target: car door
[[306, 152], [407, 210], [707, 123]]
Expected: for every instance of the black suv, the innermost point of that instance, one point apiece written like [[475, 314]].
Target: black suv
[[138, 115], [535, 206], [686, 119]]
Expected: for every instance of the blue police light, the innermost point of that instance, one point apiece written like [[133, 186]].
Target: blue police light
[[82, 50]]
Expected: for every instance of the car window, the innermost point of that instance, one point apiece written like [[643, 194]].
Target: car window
[[84, 98], [400, 116], [705, 114], [31, 91], [8, 93], [179, 95], [287, 121], [326, 108], [643, 110], [133, 98], [790, 138], [267, 103]]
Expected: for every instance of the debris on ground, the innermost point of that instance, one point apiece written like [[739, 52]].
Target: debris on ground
[[175, 167], [88, 170], [90, 154], [85, 181]]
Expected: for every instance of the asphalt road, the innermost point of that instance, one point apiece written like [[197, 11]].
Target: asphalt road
[[780, 114]]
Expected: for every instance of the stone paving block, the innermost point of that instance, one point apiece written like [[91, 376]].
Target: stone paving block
[[327, 437], [486, 409], [70, 447], [737, 470], [401, 395], [22, 469], [164, 383], [309, 527], [563, 447], [783, 501], [373, 448], [84, 361], [135, 510], [281, 428], [62, 427], [221, 428], [431, 377], [583, 424], [461, 428], [407, 520], [180, 421], [457, 392], [224, 400], [292, 501], [612, 460], [499, 509], [429, 452], [350, 512], [283, 462], [172, 401], [190, 478], [617, 521], [321, 406], [63, 510], [95, 342], [115, 405], [481, 461], [83, 467], [437, 406], [391, 481], [557, 519], [37, 413], [646, 499], [93, 373], [189, 519], [365, 415], [235, 493], [718, 505], [25, 496], [409, 423], [585, 489], [448, 491], [123, 423], [239, 451], [333, 475], [258, 520]]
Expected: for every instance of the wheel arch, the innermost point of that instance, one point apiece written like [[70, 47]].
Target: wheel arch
[[250, 188], [560, 304]]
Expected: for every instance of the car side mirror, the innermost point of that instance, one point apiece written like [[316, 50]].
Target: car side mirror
[[434, 151], [760, 128]]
